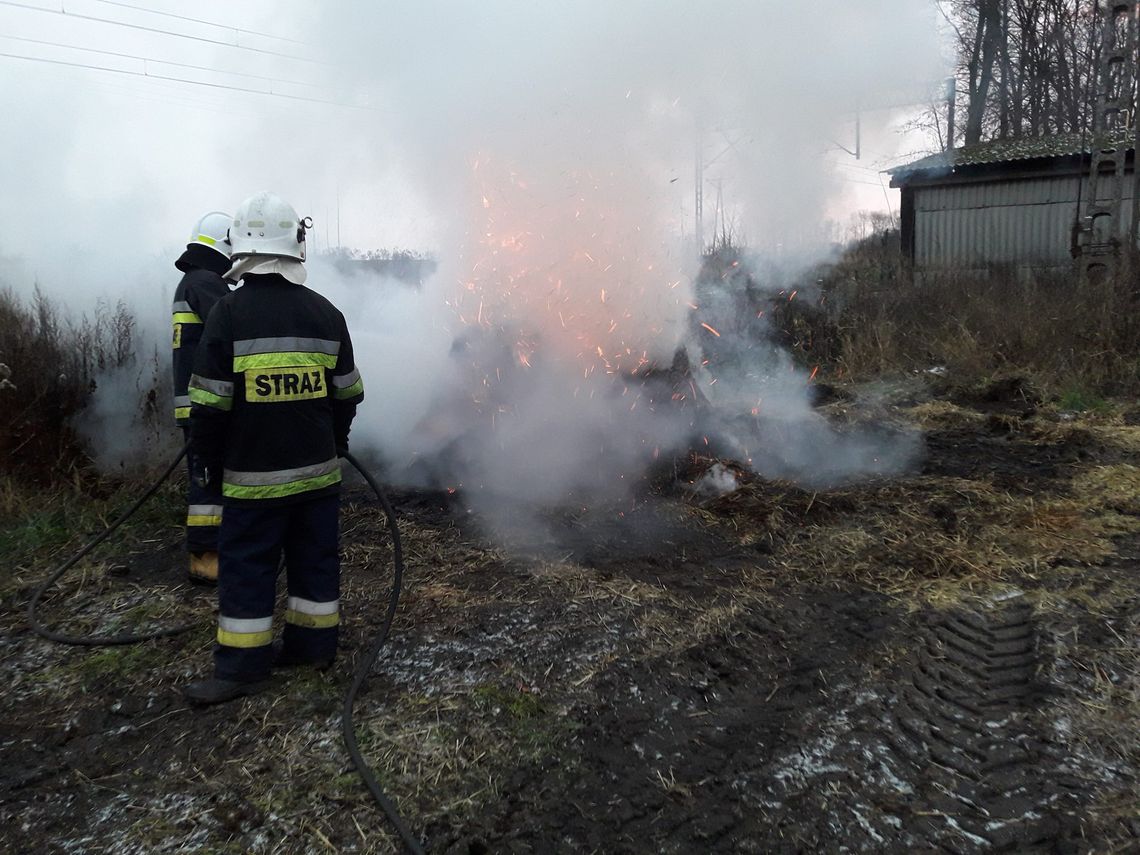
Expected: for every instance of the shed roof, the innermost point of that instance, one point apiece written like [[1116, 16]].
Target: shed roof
[[1009, 150]]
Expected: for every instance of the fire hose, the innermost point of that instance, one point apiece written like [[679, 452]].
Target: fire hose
[[363, 667]]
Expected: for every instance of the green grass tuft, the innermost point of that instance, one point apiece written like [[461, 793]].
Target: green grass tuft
[[518, 705], [1078, 399]]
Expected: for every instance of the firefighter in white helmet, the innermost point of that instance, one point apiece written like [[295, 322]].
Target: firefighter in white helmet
[[273, 395], [203, 264]]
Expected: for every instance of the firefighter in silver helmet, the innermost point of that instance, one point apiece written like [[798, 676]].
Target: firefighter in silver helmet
[[203, 265], [273, 394]]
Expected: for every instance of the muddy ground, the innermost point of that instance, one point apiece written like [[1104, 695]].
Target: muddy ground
[[945, 660]]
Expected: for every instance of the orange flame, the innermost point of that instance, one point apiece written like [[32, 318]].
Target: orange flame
[[534, 266]]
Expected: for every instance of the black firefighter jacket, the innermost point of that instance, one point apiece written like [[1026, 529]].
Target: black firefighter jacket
[[274, 392], [201, 287]]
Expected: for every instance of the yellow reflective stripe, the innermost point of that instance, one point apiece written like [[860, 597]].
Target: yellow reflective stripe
[[225, 388], [206, 239], [311, 621], [352, 391], [274, 491], [244, 639], [281, 476], [181, 412], [185, 318], [203, 519], [285, 359], [209, 399], [343, 381]]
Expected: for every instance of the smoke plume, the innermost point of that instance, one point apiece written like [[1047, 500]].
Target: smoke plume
[[554, 137], [544, 153]]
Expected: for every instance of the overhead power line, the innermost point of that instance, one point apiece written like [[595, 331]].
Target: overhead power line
[[146, 59], [178, 96], [78, 15], [199, 21], [188, 81]]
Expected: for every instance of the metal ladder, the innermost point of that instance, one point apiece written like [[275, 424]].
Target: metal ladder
[[1101, 228]]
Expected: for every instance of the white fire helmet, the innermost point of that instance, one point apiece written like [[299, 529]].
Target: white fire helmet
[[265, 224], [212, 230]]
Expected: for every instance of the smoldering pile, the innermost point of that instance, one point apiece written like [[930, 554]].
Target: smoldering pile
[[556, 437]]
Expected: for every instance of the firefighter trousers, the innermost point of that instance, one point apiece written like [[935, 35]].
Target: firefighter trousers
[[251, 544], [203, 510]]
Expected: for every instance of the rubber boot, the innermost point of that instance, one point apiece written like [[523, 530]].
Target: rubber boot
[[218, 691], [204, 568], [286, 659]]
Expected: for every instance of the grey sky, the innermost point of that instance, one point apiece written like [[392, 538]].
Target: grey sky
[[119, 165]]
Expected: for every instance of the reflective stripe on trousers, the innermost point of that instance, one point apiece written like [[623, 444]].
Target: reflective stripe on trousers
[[250, 546], [245, 632], [201, 515], [302, 612]]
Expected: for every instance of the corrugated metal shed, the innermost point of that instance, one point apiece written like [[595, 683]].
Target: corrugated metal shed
[[1009, 203]]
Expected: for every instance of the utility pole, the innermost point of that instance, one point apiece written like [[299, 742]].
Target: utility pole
[[699, 194], [1101, 229], [718, 218], [951, 98]]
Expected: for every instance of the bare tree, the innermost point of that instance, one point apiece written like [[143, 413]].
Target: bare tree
[[980, 66], [1025, 67]]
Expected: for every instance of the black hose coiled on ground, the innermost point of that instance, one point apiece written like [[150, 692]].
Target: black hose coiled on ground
[[362, 668], [103, 640]]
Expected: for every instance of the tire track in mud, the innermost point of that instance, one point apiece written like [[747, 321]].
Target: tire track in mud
[[965, 719], [950, 750]]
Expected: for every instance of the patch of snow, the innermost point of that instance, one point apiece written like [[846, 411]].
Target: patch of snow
[[432, 666], [865, 825], [889, 776], [973, 838]]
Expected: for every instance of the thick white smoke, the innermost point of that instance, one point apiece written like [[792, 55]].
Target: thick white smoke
[[545, 153], [557, 141]]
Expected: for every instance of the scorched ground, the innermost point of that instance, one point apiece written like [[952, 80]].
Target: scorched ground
[[946, 659]]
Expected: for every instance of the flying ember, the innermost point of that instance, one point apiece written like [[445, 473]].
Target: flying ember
[[557, 263]]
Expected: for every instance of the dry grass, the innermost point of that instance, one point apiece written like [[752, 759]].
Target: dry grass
[[1113, 487], [1074, 341], [871, 318], [52, 362], [944, 414], [938, 539]]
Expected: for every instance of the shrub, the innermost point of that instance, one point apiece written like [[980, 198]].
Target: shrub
[[52, 365], [877, 319]]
